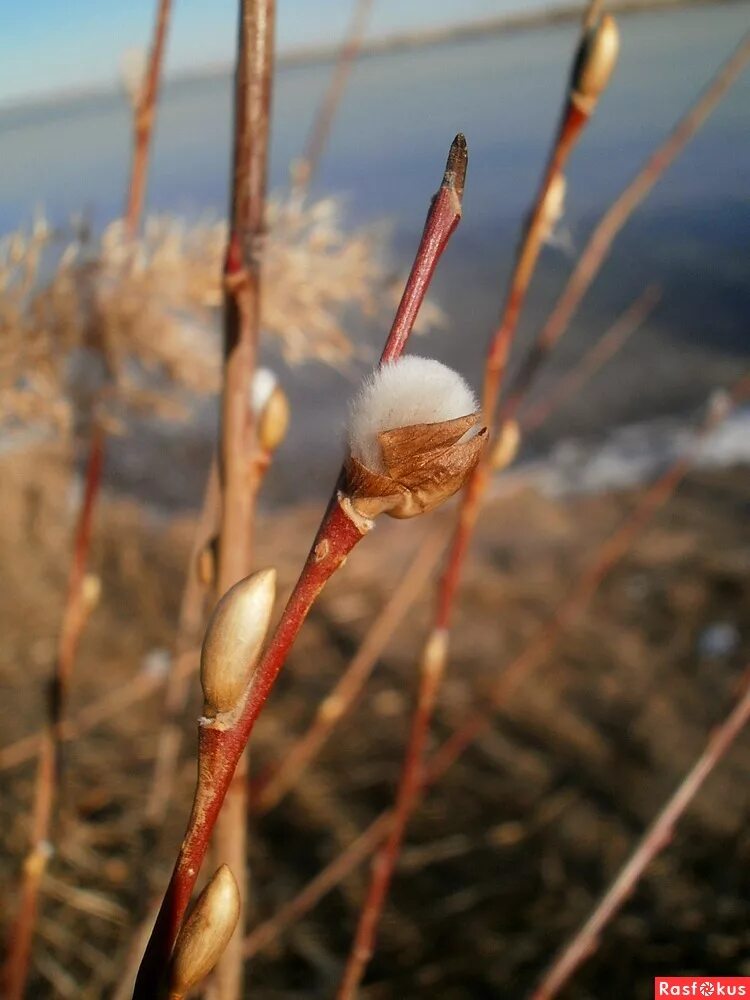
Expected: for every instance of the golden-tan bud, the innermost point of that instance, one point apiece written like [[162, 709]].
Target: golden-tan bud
[[273, 421], [424, 465], [206, 933], [595, 62], [506, 446], [206, 565], [234, 638], [91, 591]]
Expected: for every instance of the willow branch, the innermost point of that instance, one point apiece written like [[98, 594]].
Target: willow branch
[[143, 121], [605, 560], [221, 746], [320, 130], [617, 215], [50, 761], [603, 350], [238, 467]]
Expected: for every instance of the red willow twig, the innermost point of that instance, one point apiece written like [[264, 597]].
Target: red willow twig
[[49, 768], [239, 457], [580, 100], [605, 559], [339, 532], [603, 350], [143, 121], [586, 940], [305, 169], [601, 240]]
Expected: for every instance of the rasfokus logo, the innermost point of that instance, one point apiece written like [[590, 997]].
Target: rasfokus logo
[[702, 986]]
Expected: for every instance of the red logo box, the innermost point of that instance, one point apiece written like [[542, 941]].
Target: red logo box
[[702, 986]]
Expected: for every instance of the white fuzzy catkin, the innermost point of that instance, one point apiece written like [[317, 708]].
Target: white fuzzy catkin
[[402, 393]]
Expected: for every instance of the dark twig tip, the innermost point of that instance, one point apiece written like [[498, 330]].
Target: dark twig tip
[[455, 168]]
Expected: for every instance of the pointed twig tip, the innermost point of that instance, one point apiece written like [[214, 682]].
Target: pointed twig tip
[[455, 168]]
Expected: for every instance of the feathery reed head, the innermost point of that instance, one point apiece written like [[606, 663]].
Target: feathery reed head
[[412, 438], [234, 638], [206, 933], [595, 62]]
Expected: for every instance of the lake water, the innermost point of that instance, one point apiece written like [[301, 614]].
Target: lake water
[[386, 155]]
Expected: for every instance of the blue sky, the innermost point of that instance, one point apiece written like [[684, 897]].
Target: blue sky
[[62, 44]]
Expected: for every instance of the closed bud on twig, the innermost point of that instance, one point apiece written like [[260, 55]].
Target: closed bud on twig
[[595, 62], [506, 446], [270, 408], [413, 438], [205, 934], [233, 640]]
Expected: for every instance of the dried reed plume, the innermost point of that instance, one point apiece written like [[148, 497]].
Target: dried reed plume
[[148, 308]]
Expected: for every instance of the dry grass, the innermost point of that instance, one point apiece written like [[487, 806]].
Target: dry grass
[[146, 311]]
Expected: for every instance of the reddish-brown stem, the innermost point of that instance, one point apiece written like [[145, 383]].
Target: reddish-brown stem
[[272, 787], [616, 216], [238, 468], [611, 551], [223, 739], [384, 863], [49, 767], [443, 217], [571, 125], [572, 122], [586, 939], [143, 121], [603, 350], [320, 130]]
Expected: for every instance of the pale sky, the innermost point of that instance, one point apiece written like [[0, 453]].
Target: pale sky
[[51, 45]]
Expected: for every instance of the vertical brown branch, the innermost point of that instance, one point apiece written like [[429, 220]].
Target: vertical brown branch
[[143, 121], [320, 130], [49, 767], [384, 863], [238, 465]]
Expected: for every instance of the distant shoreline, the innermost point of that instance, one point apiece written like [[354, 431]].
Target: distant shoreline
[[521, 21]]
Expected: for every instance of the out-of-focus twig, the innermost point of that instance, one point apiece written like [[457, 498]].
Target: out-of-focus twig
[[79, 603], [607, 557], [143, 121], [658, 835], [603, 350], [305, 169], [616, 216]]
